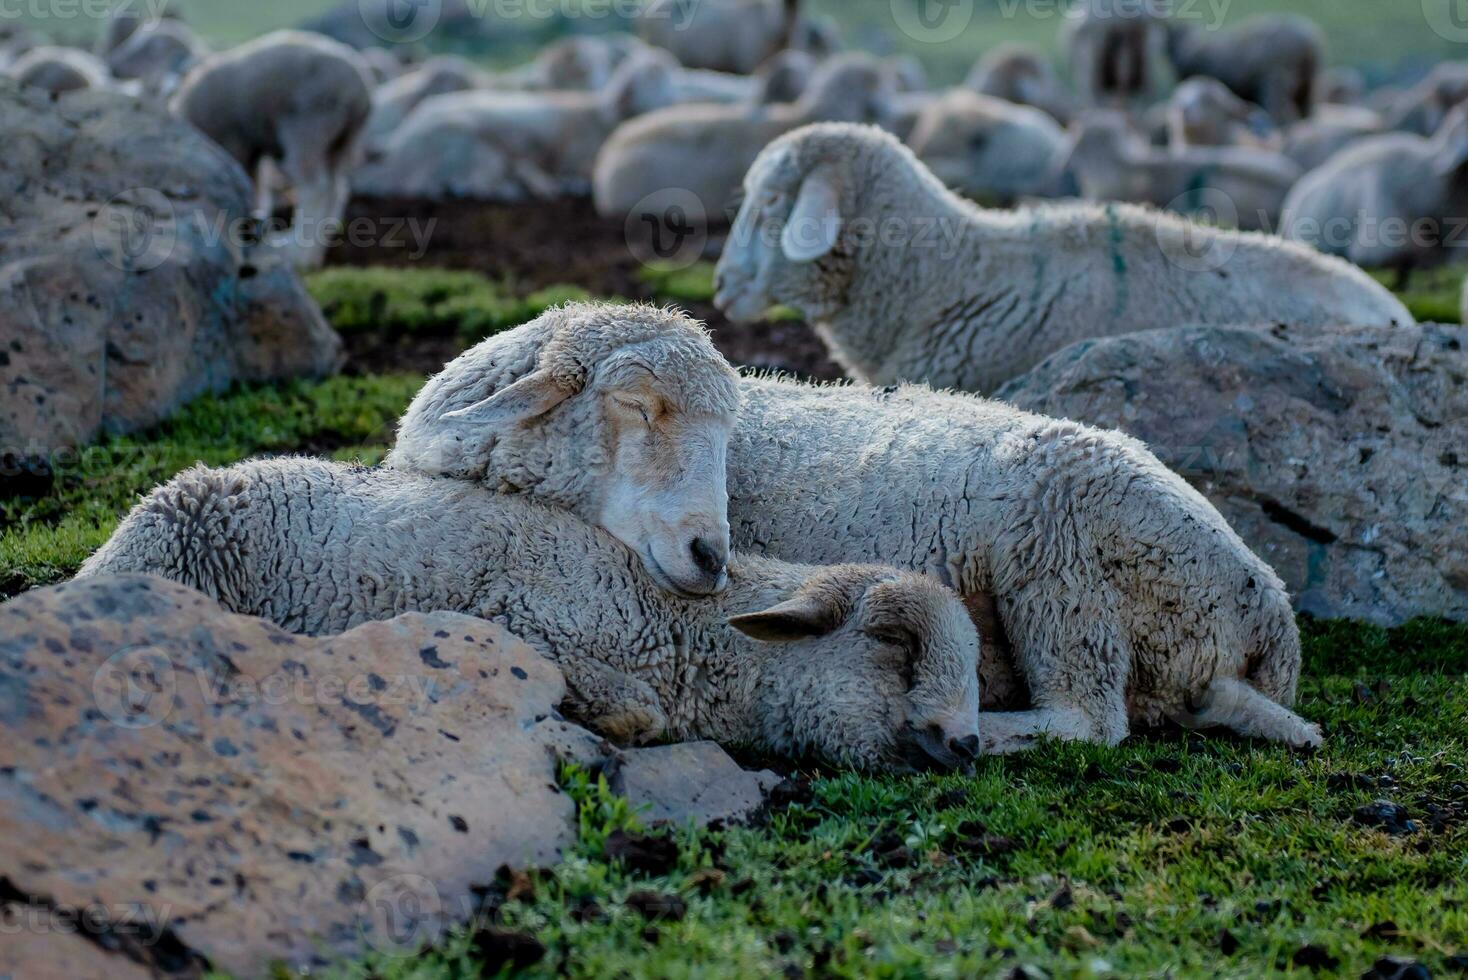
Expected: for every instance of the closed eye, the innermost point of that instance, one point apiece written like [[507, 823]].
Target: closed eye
[[637, 407]]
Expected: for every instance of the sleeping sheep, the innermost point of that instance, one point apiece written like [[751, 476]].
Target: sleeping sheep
[[1203, 112], [1125, 596], [906, 281], [1020, 74], [991, 150], [58, 70], [514, 146], [296, 101], [705, 149], [864, 665], [1271, 60], [1112, 163], [619, 414], [1391, 201]]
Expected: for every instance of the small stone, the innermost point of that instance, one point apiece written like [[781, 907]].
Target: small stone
[[657, 906]]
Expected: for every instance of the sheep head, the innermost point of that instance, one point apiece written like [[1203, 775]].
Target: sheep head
[[870, 667], [624, 419]]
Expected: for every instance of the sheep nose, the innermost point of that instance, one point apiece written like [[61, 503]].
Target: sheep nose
[[966, 747], [710, 558]]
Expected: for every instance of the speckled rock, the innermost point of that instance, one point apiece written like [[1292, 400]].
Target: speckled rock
[[127, 285], [689, 781], [1338, 454], [37, 944], [258, 795]]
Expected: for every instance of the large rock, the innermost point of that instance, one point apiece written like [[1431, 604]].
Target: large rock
[[690, 782], [215, 789], [1337, 453], [126, 287]]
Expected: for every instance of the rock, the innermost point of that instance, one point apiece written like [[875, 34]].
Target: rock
[[126, 284], [45, 947], [271, 796], [1337, 453], [689, 781]]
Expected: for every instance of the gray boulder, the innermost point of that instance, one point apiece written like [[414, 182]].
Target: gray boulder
[[1337, 454], [126, 288]]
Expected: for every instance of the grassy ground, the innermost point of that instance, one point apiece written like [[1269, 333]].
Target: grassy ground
[[1172, 855]]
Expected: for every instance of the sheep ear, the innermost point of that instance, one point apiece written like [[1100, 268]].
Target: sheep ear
[[815, 222], [529, 398], [800, 618]]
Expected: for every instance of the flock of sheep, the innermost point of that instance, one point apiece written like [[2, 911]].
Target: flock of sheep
[[892, 560]]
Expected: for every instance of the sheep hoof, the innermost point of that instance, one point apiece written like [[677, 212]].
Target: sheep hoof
[[635, 724]]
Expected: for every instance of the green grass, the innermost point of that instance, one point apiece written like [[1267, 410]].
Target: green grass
[[427, 301], [1432, 295]]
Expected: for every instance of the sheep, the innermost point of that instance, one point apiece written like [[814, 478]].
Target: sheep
[[866, 666], [383, 64], [1311, 142], [575, 64], [1021, 74], [1389, 201], [1204, 112], [1241, 186], [1341, 86], [732, 35], [297, 100], [59, 70], [783, 78], [514, 146], [705, 149], [1422, 108], [126, 16], [1271, 60], [619, 414], [988, 149], [1124, 596], [393, 101], [157, 55], [906, 281], [1117, 51]]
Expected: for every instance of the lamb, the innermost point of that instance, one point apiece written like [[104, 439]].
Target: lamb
[[705, 149], [1388, 201], [1271, 60], [1237, 186], [1203, 112], [1118, 52], [393, 101], [990, 150], [864, 665], [157, 55], [904, 280], [618, 414], [1125, 596], [297, 100], [514, 146], [59, 70], [732, 35], [1021, 74]]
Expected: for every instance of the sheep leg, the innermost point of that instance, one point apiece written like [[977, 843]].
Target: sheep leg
[[611, 703], [1006, 732], [1237, 706], [320, 187]]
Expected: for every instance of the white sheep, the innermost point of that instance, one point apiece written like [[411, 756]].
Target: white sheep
[[514, 146], [619, 414], [904, 280], [1391, 201], [125, 17], [297, 100], [1311, 142], [59, 70], [732, 35], [582, 63], [863, 665], [1125, 596], [1271, 60], [992, 150], [705, 149], [1023, 75], [157, 56], [1204, 112], [1118, 51], [1242, 187], [394, 100]]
